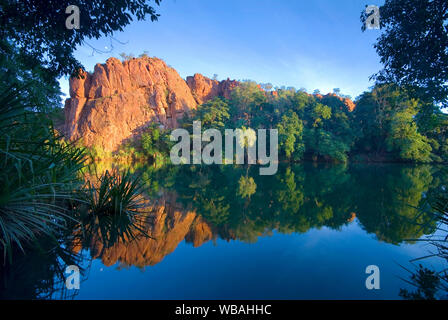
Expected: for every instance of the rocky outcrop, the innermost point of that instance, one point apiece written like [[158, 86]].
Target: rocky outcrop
[[204, 89], [200, 233], [349, 104], [119, 99]]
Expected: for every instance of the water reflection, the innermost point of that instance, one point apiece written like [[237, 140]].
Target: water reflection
[[198, 204], [145, 241]]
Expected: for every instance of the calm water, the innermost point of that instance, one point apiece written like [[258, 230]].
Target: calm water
[[308, 232]]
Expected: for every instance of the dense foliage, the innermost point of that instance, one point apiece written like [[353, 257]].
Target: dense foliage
[[38, 174], [413, 46], [240, 204], [38, 28], [386, 125], [42, 191], [236, 203]]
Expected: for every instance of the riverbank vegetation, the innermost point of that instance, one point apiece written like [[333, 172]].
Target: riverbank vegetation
[[42, 183], [387, 125]]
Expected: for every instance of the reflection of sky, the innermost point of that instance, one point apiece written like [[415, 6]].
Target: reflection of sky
[[320, 264], [311, 44]]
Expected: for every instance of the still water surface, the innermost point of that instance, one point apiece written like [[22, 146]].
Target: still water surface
[[308, 232]]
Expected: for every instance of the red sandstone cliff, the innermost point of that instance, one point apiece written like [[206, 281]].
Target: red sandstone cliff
[[119, 99], [204, 89]]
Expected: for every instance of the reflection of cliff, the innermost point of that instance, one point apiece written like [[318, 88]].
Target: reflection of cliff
[[164, 227], [385, 198]]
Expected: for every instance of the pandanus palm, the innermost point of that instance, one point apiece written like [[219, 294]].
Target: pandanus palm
[[38, 172]]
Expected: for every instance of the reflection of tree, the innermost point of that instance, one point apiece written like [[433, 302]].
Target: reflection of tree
[[289, 194], [246, 187], [385, 199], [39, 273], [237, 203], [431, 284], [201, 203], [427, 284], [389, 205], [277, 202]]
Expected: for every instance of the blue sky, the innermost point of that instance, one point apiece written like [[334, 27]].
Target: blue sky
[[311, 44]]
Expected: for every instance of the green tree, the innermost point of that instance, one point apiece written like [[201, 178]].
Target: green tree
[[246, 187], [156, 144], [433, 124], [386, 123], [319, 113], [324, 144], [38, 28], [328, 132], [405, 138], [32, 81], [290, 131], [246, 100], [126, 56], [213, 114], [413, 46]]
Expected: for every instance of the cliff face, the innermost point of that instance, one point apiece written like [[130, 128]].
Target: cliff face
[[204, 89], [120, 99]]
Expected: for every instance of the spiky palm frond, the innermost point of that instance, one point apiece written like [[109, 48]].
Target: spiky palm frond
[[115, 194], [38, 172]]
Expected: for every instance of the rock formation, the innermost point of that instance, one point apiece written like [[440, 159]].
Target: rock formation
[[120, 99], [349, 104], [204, 89]]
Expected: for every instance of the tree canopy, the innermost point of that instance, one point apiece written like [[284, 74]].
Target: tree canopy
[[37, 28], [413, 46]]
